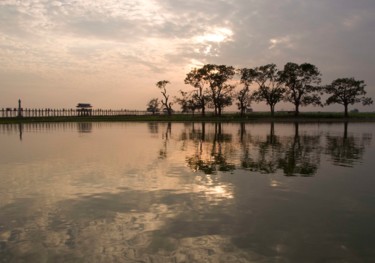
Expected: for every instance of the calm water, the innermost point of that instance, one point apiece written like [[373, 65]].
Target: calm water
[[162, 192]]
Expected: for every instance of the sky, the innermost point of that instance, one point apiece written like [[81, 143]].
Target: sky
[[110, 53]]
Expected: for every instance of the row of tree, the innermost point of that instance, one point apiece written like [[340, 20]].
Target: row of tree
[[299, 84]]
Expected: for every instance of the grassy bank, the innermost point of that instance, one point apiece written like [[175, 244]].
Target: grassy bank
[[228, 117]]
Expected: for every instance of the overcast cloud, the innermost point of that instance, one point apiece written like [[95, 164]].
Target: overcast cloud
[[111, 53]]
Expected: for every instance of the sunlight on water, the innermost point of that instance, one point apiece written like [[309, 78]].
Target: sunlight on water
[[187, 192]]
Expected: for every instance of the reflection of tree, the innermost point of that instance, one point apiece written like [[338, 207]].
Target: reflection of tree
[[217, 160], [166, 135], [346, 150], [291, 155], [153, 127], [301, 155], [294, 155], [266, 159]]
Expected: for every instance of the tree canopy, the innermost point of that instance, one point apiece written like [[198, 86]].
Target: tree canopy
[[347, 91], [217, 77], [301, 84], [196, 78], [153, 105], [165, 101], [271, 89], [243, 96]]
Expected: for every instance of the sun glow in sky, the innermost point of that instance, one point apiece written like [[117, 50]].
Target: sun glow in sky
[[216, 35], [56, 53]]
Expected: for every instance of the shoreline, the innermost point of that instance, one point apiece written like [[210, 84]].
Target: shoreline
[[249, 118]]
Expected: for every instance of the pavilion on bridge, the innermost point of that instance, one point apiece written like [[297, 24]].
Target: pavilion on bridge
[[84, 109]]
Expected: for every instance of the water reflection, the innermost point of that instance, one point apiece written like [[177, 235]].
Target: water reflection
[[186, 192], [266, 154], [153, 127], [301, 154], [84, 127], [165, 138], [346, 150], [211, 150], [294, 155]]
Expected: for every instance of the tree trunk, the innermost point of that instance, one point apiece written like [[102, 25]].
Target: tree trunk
[[296, 113], [346, 110], [242, 109], [272, 110], [203, 110]]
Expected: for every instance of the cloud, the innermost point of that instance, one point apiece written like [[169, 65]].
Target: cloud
[[135, 41], [275, 42]]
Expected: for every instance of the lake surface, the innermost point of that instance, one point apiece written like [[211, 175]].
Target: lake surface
[[184, 192]]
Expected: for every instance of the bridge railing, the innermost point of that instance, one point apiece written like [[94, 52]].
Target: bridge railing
[[48, 112]]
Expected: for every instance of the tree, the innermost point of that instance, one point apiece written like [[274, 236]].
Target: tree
[[244, 100], [211, 82], [183, 101], [223, 97], [217, 77], [187, 101], [271, 89], [347, 91], [243, 96], [300, 82], [196, 78], [162, 86], [153, 105]]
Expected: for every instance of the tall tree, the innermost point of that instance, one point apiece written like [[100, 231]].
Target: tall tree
[[271, 89], [188, 101], [165, 101], [243, 96], [244, 100], [347, 91], [217, 77], [153, 105], [301, 84], [196, 78]]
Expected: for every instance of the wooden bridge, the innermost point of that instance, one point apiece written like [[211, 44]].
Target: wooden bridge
[[47, 112]]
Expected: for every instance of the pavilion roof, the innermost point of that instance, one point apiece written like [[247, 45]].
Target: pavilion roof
[[84, 105]]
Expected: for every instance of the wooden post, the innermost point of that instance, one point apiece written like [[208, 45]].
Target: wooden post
[[19, 114]]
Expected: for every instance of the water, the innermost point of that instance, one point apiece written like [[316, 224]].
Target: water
[[174, 192]]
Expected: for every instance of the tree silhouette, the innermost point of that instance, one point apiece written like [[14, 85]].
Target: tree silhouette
[[153, 105], [271, 88], [188, 102], [220, 91], [196, 78], [301, 84], [165, 102], [244, 97], [244, 100], [347, 91]]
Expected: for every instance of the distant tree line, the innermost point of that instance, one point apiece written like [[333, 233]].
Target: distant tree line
[[300, 84]]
